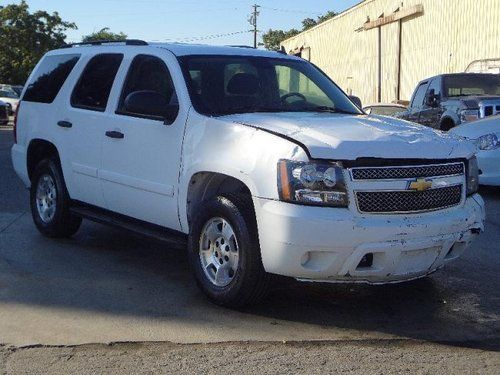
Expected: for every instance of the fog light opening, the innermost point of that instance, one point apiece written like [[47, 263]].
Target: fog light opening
[[366, 261]]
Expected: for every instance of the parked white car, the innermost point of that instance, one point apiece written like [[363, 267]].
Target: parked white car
[[384, 109], [255, 158], [485, 134], [11, 98]]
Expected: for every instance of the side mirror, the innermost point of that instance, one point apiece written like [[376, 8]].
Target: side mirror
[[151, 104], [356, 101], [432, 100]]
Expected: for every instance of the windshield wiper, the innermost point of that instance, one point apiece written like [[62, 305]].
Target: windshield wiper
[[242, 110]]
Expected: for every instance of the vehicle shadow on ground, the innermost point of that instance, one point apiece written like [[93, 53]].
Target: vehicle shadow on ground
[[110, 270]]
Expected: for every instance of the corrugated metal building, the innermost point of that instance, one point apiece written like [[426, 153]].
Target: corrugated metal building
[[380, 49]]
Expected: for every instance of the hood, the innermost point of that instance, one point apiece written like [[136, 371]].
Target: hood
[[348, 137], [476, 129], [472, 101]]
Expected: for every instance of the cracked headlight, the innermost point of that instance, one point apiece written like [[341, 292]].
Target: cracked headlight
[[312, 183], [488, 142], [472, 176]]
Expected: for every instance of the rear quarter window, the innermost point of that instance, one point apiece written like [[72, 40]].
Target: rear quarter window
[[49, 78]]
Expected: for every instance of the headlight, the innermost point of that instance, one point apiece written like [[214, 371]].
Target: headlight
[[488, 142], [468, 115], [472, 176], [313, 183]]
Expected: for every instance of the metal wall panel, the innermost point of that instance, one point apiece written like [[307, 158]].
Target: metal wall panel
[[447, 37]]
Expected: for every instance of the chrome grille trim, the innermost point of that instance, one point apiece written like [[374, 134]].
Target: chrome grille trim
[[407, 172], [408, 201], [489, 108]]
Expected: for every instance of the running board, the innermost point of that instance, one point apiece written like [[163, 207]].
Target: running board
[[106, 217]]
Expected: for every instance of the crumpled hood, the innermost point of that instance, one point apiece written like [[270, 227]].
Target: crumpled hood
[[348, 137]]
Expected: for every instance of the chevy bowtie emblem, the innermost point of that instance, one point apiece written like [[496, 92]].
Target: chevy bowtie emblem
[[420, 184]]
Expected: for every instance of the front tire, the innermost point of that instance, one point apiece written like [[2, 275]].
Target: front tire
[[49, 201], [224, 252]]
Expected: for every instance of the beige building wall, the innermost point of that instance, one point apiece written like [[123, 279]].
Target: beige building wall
[[447, 37]]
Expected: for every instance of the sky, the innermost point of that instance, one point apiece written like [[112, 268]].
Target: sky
[[184, 21]]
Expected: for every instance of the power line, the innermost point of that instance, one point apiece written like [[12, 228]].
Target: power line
[[206, 37], [291, 10]]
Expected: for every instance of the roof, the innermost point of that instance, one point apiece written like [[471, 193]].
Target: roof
[[181, 49], [458, 74]]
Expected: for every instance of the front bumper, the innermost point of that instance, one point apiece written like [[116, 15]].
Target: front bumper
[[327, 244], [489, 164]]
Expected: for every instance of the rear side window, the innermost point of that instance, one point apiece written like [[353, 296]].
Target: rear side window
[[92, 90], [49, 78]]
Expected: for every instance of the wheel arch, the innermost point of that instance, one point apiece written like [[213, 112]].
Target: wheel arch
[[204, 185], [448, 121], [39, 149]]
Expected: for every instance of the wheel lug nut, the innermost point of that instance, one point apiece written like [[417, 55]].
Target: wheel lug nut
[[226, 258], [221, 261]]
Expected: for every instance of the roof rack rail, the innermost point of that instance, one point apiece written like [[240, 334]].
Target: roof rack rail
[[128, 42]]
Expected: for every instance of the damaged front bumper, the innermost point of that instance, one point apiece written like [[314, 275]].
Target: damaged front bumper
[[334, 245]]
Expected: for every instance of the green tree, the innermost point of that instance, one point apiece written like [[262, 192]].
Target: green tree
[[326, 16], [104, 34], [273, 38], [25, 37], [307, 23]]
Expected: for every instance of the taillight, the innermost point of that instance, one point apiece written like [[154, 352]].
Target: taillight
[[15, 122]]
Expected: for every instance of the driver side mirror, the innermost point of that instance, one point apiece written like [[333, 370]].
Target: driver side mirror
[[151, 104], [356, 101], [432, 99]]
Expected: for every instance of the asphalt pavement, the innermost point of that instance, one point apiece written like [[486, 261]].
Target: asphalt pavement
[[107, 285]]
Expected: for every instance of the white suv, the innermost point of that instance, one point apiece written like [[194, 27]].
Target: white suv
[[256, 159]]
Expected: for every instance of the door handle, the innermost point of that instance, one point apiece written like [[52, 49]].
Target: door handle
[[114, 134], [64, 124]]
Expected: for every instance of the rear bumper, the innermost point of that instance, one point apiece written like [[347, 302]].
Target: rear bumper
[[489, 163], [19, 162], [324, 244]]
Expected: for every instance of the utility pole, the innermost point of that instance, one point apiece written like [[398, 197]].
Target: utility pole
[[253, 22]]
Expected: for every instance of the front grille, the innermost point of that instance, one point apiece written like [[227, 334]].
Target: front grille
[[386, 173], [489, 108], [407, 200]]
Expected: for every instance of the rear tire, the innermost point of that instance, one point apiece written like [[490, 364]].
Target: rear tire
[[49, 201], [224, 252]]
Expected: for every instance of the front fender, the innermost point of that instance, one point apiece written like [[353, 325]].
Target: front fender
[[247, 154]]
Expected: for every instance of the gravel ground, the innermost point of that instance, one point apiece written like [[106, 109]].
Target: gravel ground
[[372, 357]]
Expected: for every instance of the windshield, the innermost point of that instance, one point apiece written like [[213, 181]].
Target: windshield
[[8, 94], [221, 85], [472, 84]]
